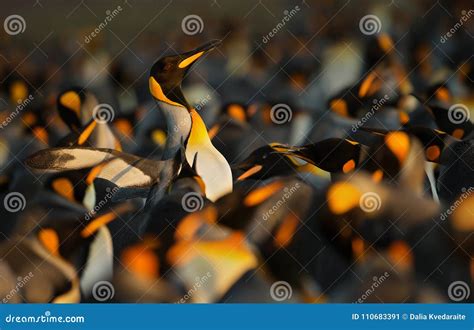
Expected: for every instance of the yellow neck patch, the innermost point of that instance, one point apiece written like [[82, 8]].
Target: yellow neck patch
[[198, 134], [157, 92]]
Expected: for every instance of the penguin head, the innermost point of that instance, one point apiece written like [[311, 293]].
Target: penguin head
[[265, 162], [167, 74], [69, 103]]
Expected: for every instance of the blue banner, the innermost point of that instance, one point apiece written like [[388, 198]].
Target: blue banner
[[237, 316]]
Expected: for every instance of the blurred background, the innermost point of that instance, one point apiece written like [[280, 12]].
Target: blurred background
[[299, 53]]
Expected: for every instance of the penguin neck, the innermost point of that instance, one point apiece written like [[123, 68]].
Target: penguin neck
[[178, 122]]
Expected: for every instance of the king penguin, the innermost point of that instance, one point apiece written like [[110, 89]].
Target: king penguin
[[185, 125]]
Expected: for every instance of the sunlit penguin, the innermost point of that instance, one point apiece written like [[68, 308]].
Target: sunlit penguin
[[185, 125], [185, 129]]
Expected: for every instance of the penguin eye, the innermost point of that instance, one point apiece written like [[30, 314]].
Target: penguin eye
[[265, 156]]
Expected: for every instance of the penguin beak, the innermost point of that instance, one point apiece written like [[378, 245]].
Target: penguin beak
[[190, 57]]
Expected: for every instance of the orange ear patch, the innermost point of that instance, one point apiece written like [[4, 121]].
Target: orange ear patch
[[157, 92], [71, 100], [377, 176], [261, 194], [399, 144], [50, 240], [339, 106], [400, 254], [64, 188], [385, 42], [433, 152], [237, 112], [442, 94], [142, 261], [342, 197], [458, 133], [348, 166]]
